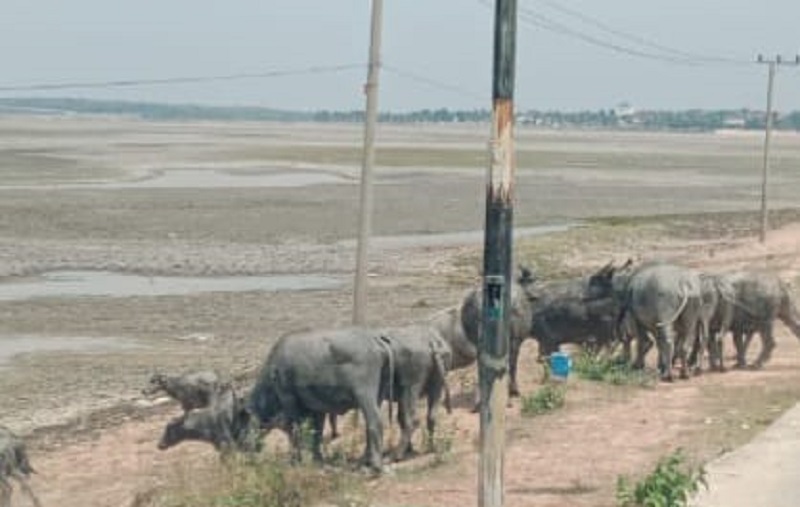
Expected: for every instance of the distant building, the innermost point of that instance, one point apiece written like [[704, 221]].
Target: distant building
[[734, 122], [624, 111]]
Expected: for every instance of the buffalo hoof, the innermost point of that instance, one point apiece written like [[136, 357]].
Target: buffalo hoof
[[372, 472], [755, 366], [405, 455], [739, 366], [476, 408]]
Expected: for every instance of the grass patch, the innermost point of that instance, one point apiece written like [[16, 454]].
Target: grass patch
[[615, 371], [670, 484], [262, 482], [398, 156], [551, 256], [546, 399]]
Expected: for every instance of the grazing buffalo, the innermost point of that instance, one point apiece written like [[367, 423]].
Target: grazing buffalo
[[760, 299], [422, 358], [311, 373], [224, 423], [659, 298], [472, 317], [191, 390], [717, 303], [14, 464]]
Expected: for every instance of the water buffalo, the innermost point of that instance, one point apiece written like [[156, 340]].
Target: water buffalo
[[192, 390], [472, 316], [564, 311], [422, 358], [658, 298], [14, 463], [717, 299], [308, 374], [760, 299], [224, 423], [448, 323]]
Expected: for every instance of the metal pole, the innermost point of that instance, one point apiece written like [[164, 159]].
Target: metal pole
[[497, 261], [365, 215], [765, 171]]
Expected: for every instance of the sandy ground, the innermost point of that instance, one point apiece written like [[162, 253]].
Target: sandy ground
[[85, 407], [569, 458]]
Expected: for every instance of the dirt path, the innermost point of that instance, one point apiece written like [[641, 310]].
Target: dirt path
[[568, 458]]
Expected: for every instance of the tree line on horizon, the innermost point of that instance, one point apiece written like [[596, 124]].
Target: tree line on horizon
[[682, 120]]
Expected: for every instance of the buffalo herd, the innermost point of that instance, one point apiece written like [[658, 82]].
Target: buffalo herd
[[313, 374]]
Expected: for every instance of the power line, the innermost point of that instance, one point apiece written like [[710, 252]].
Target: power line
[[637, 38], [531, 18], [434, 83], [181, 80]]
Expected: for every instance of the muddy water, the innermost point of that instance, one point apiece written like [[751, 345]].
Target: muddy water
[[455, 238], [109, 284], [11, 346]]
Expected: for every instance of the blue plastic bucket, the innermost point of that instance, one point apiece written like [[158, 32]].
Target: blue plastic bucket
[[560, 365]]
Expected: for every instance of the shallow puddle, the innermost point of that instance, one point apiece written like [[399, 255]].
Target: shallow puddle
[[108, 284], [193, 178], [207, 178]]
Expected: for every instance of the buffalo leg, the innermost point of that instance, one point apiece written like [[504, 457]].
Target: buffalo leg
[[334, 429], [406, 412], [741, 349], [718, 342], [694, 333], [513, 359], [665, 343], [643, 344], [476, 401], [296, 435], [26, 488], [767, 345], [318, 422], [434, 399], [5, 492], [373, 453]]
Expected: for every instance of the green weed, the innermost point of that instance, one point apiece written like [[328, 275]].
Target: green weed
[[670, 484], [546, 399], [615, 371]]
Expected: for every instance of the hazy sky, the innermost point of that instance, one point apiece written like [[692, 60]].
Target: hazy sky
[[450, 41]]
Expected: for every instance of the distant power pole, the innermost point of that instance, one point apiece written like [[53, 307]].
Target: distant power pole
[[365, 214], [773, 65], [497, 261]]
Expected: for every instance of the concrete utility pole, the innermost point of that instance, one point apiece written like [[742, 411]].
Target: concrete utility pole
[[773, 64], [497, 261], [365, 216]]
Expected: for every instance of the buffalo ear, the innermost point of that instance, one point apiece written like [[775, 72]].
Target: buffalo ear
[[526, 276], [604, 272]]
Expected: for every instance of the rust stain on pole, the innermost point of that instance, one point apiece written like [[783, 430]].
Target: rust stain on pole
[[503, 160]]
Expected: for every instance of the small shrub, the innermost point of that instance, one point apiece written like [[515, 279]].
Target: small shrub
[[546, 399], [263, 482], [670, 484], [615, 371]]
